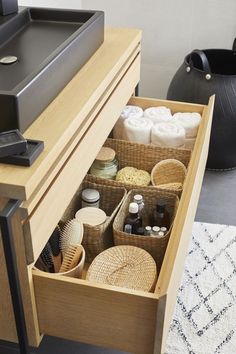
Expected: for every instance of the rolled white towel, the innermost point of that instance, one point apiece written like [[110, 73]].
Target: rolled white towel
[[189, 143], [138, 129], [158, 114], [128, 111], [168, 135], [190, 122]]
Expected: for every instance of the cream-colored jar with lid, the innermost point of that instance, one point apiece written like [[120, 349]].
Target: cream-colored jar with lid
[[105, 165]]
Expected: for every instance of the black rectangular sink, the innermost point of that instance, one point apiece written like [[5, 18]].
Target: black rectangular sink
[[40, 51]]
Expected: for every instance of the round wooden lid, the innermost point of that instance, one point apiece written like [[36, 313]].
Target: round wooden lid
[[91, 216], [106, 154], [125, 266]]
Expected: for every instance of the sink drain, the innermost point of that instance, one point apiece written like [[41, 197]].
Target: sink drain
[[10, 59]]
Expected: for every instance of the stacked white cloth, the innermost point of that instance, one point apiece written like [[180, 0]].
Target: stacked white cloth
[[190, 122], [168, 135], [128, 111], [158, 114], [138, 129]]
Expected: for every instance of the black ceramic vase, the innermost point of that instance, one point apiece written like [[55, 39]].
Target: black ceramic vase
[[207, 72]]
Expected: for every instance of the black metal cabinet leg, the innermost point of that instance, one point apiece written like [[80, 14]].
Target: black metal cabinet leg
[[13, 277]]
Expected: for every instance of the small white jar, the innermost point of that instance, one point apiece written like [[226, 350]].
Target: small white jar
[[90, 198]]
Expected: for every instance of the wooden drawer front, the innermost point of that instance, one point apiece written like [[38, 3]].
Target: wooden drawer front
[[172, 268], [77, 310], [48, 212], [131, 321]]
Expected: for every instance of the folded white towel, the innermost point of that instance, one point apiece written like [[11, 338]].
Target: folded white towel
[[168, 135], [189, 143], [158, 114], [128, 111], [138, 129], [190, 122]]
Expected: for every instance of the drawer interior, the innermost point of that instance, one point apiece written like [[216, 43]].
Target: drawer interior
[[120, 318]]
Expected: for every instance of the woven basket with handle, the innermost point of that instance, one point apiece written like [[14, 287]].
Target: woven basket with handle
[[141, 156], [155, 246]]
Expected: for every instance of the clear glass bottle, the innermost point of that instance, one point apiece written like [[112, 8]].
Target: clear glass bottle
[[105, 165], [164, 229], [155, 230], [128, 228], [161, 234], [147, 230]]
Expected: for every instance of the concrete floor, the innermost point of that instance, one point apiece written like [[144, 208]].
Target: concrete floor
[[217, 204]]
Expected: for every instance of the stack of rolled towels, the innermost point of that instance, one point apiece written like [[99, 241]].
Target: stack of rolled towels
[[157, 125]]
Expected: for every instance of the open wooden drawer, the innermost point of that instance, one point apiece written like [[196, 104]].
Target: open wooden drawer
[[131, 321]]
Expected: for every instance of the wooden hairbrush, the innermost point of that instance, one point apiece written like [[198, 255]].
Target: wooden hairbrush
[[72, 257]]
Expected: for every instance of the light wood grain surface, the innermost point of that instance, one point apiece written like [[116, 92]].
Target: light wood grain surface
[[114, 68], [111, 317], [173, 264], [46, 215], [57, 124]]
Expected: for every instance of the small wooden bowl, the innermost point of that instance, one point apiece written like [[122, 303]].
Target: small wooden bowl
[[169, 173]]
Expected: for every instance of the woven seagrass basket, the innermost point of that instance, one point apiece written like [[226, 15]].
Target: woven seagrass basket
[[141, 156], [97, 238], [155, 246]]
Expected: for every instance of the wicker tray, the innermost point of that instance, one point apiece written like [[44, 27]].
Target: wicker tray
[[97, 238], [141, 156], [155, 246]]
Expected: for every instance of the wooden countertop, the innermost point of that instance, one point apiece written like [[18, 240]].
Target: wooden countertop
[[67, 113]]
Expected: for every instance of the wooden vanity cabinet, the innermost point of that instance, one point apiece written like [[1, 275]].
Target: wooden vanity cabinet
[[74, 127]]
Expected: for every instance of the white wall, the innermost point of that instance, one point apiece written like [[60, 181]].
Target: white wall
[[171, 29], [72, 4]]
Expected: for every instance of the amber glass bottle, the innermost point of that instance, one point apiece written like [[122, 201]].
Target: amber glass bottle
[[133, 218], [161, 216]]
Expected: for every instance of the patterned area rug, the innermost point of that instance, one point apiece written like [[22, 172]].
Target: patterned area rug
[[204, 321]]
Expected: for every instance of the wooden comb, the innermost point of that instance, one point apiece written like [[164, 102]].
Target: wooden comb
[[71, 258]]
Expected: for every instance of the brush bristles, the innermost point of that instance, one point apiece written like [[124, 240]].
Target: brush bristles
[[72, 234]]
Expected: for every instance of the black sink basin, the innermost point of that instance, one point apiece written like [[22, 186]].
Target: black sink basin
[[45, 48]]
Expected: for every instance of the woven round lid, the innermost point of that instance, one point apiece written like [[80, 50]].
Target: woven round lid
[[91, 216], [125, 266], [106, 154], [169, 173]]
